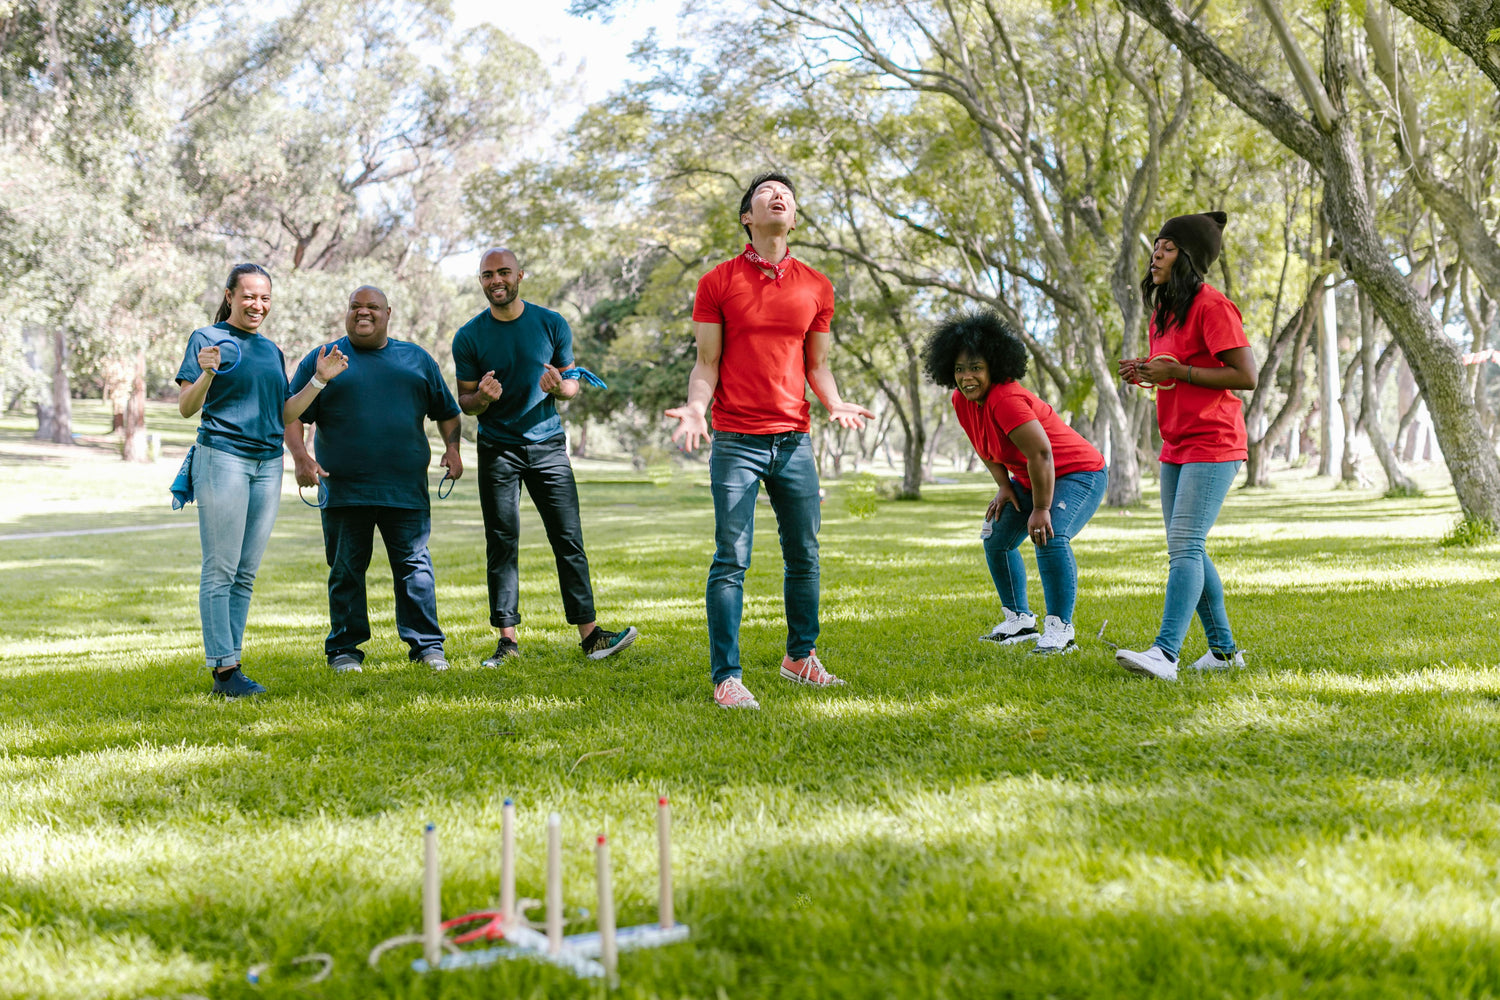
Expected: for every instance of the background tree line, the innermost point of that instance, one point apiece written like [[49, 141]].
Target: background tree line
[[1012, 154]]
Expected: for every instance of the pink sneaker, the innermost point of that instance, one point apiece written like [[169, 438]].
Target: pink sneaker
[[808, 671], [732, 694]]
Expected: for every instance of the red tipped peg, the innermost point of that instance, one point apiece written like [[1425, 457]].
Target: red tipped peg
[[602, 838], [662, 801]]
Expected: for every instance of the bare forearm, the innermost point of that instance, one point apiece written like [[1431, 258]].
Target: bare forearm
[[701, 385], [1043, 476], [473, 403], [294, 406], [296, 438], [190, 397], [1217, 378], [451, 431], [824, 386]]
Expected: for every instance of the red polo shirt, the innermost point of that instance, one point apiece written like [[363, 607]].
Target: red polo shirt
[[762, 372], [1005, 407], [1199, 424]]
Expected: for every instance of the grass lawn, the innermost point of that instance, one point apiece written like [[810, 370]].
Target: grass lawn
[[960, 820]]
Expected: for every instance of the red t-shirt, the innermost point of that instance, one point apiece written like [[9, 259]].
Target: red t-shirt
[[762, 374], [1007, 406], [1199, 424]]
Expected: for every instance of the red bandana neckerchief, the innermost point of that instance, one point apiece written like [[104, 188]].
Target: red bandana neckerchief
[[760, 261]]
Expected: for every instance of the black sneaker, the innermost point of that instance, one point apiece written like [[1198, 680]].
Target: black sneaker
[[504, 650], [602, 642], [236, 685]]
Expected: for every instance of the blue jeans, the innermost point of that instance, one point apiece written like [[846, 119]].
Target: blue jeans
[[349, 541], [1075, 498], [237, 503], [1191, 495], [737, 467]]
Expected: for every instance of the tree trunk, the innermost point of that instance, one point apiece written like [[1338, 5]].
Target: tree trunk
[[133, 448], [55, 416], [1397, 481], [1330, 388], [1262, 433]]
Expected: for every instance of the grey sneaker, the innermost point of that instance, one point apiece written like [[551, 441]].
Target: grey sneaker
[[345, 663], [504, 650], [434, 659]]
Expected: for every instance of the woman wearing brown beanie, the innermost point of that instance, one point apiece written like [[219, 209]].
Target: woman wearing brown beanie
[[1198, 354]]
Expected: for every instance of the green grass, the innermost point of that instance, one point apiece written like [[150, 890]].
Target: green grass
[[958, 821]]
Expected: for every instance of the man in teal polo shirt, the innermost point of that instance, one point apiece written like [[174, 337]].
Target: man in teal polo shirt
[[509, 361], [373, 454]]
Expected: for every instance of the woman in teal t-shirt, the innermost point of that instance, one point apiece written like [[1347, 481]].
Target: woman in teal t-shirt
[[237, 467]]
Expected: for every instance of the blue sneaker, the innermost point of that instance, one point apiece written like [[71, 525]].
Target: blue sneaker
[[236, 685]]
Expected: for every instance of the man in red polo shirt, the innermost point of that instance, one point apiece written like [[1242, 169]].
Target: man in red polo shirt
[[761, 325]]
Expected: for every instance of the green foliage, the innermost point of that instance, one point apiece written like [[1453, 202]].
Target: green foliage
[[861, 495], [1470, 531]]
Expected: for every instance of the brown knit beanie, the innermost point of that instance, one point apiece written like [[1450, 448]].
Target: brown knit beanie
[[1199, 236]]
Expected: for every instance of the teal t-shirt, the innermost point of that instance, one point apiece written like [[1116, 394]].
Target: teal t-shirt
[[515, 351], [369, 435], [242, 411]]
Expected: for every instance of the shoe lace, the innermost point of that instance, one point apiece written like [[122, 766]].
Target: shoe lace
[[731, 690]]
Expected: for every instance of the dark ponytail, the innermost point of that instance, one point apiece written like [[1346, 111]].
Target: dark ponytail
[[235, 273], [1169, 302]]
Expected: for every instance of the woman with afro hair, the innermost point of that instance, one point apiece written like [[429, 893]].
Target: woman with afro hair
[[1050, 480], [1198, 351]]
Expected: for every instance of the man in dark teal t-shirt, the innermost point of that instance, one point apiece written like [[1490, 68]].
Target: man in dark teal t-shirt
[[373, 455], [510, 362]]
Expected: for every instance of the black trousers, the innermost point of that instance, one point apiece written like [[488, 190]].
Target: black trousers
[[548, 475], [349, 540]]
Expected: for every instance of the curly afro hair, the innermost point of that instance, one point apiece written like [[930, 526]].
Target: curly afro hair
[[981, 334]]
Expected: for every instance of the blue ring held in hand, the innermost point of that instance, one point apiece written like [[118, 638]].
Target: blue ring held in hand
[[585, 375], [322, 495], [239, 353], [450, 481]]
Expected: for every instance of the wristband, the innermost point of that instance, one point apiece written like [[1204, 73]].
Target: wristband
[[319, 383], [1190, 374]]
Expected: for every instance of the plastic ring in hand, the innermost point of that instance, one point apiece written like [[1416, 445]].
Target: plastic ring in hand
[[450, 481], [322, 495], [239, 353], [1165, 357]]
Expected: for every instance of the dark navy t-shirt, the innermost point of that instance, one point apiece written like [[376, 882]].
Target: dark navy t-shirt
[[369, 436], [242, 411], [515, 351]]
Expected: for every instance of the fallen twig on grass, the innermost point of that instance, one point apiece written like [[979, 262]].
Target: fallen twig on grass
[[596, 753]]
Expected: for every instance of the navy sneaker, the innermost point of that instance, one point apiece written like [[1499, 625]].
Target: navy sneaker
[[504, 650], [602, 642], [236, 685]]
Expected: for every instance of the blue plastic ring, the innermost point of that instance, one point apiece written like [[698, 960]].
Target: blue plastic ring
[[239, 353], [450, 481], [322, 495]]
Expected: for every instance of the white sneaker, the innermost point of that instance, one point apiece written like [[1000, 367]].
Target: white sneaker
[[1015, 628], [1153, 663], [1057, 637], [1211, 660]]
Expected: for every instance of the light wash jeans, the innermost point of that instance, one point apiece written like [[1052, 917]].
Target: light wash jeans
[[1191, 495], [1075, 498], [237, 503], [737, 467]]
